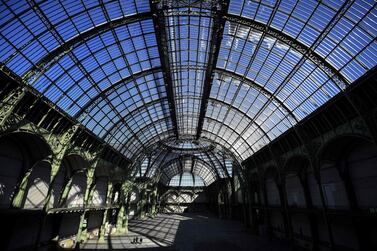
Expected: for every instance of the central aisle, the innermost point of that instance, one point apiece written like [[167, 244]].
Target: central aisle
[[186, 232]]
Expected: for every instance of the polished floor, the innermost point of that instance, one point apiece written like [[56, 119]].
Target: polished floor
[[186, 232]]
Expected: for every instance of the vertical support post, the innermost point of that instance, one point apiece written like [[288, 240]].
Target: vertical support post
[[286, 214], [219, 206], [55, 166], [20, 194], [326, 216], [266, 212], [64, 195], [57, 158], [82, 227], [232, 199], [106, 213], [141, 204], [154, 202], [126, 214], [252, 214], [105, 218], [120, 218], [311, 217]]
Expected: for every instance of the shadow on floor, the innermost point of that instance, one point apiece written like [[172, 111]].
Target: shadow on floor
[[187, 232]]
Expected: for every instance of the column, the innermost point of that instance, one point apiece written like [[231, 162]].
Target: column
[[106, 212], [154, 202], [81, 232]]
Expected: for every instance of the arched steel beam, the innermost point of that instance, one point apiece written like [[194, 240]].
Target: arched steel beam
[[238, 110], [134, 155], [333, 73], [335, 76], [60, 39], [228, 153], [159, 25], [214, 48], [132, 113], [218, 143], [213, 163], [194, 158], [157, 101], [230, 128], [206, 164], [163, 146], [154, 161], [46, 62], [91, 103], [146, 144], [221, 164], [178, 149], [135, 135], [235, 108], [257, 86]]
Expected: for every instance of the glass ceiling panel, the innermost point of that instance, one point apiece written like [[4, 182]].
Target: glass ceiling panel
[[128, 98], [171, 170], [188, 50], [156, 131], [32, 22], [175, 181], [208, 163], [199, 168], [99, 62], [92, 79], [289, 76], [186, 180], [210, 158], [348, 46], [202, 170], [268, 64], [198, 181]]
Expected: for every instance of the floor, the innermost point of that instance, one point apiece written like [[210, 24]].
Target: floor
[[186, 232]]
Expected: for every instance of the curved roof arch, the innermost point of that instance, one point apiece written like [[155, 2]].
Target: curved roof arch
[[89, 105], [198, 167], [255, 85], [168, 159], [187, 180], [236, 72]]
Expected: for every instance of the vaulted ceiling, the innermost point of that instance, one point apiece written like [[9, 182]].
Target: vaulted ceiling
[[236, 73]]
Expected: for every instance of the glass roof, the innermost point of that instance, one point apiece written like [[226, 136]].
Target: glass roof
[[186, 180], [188, 144], [164, 162], [238, 73]]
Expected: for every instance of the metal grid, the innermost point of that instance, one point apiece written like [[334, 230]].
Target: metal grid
[[169, 160], [186, 179], [100, 62], [280, 73], [188, 49]]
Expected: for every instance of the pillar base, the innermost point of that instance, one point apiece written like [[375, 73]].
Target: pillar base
[[122, 231]]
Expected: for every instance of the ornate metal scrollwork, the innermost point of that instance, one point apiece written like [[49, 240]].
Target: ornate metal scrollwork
[[7, 118]]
